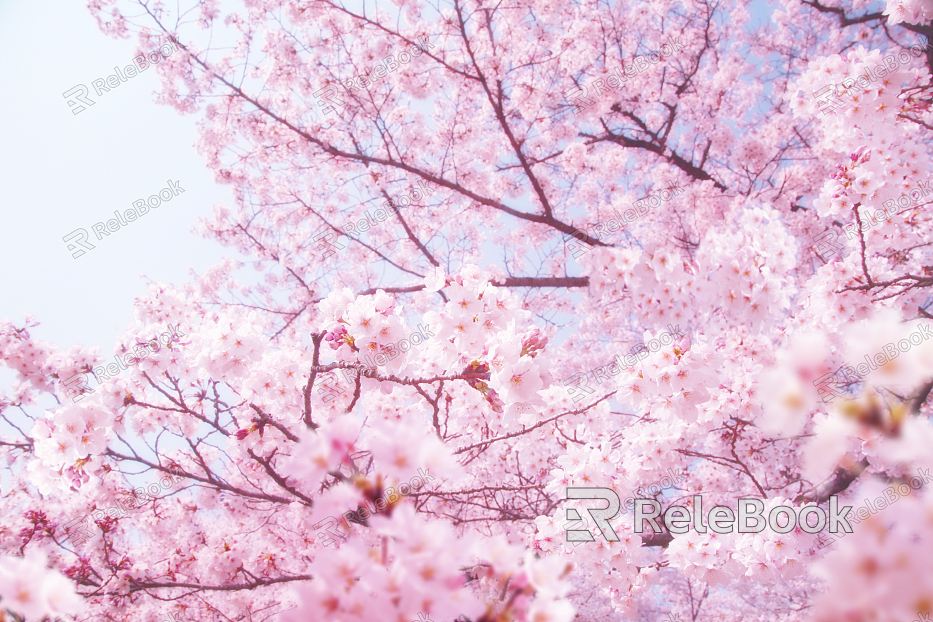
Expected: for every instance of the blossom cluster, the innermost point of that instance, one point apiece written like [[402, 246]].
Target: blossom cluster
[[362, 513], [891, 495], [802, 374], [577, 382], [77, 385], [889, 352], [826, 241], [31, 590], [330, 385], [730, 403], [827, 96], [80, 531], [631, 215], [908, 11], [639, 64], [328, 94]]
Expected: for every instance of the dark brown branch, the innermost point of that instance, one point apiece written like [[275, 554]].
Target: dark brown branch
[[512, 281]]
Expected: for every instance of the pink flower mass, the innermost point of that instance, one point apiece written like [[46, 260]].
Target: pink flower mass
[[458, 318]]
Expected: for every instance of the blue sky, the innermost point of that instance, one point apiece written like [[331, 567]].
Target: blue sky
[[60, 171]]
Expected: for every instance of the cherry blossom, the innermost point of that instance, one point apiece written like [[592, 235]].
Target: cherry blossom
[[435, 345]]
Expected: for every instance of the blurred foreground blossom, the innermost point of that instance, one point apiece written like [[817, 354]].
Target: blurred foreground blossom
[[29, 589]]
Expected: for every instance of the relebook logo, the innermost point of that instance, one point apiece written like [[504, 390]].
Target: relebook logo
[[326, 239], [679, 519], [722, 519], [392, 350], [577, 95], [328, 95], [671, 480], [80, 530], [827, 384], [78, 97], [827, 98], [577, 387], [142, 207], [891, 495], [77, 385], [826, 245], [621, 220]]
